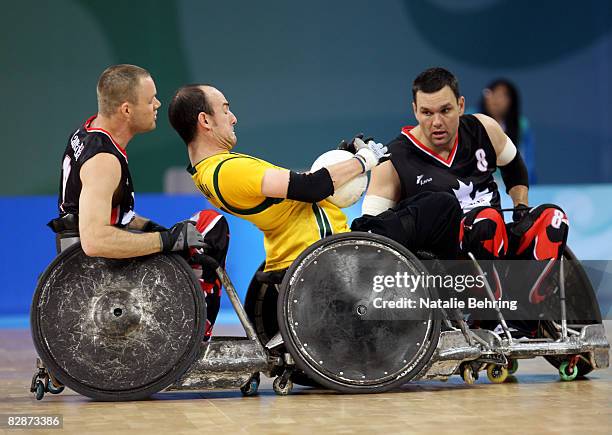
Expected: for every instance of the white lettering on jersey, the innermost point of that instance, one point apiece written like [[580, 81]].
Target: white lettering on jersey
[[468, 199], [77, 146], [482, 163], [421, 182], [65, 174]]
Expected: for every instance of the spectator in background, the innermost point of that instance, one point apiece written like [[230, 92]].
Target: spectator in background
[[501, 101]]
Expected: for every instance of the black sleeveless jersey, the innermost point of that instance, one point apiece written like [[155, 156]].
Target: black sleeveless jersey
[[83, 144], [467, 172]]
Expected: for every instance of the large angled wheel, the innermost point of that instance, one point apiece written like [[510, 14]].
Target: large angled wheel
[[117, 329], [581, 305], [331, 319]]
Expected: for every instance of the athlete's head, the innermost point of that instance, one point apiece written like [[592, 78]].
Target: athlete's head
[[437, 106], [128, 92], [202, 111]]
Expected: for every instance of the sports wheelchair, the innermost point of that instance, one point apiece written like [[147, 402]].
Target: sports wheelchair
[[118, 330]]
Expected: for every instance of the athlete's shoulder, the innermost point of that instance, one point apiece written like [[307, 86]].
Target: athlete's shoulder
[[223, 157], [234, 161], [249, 163], [479, 121], [470, 122], [236, 178], [478, 131], [245, 158], [239, 157], [92, 141], [92, 144], [83, 146], [472, 127], [206, 166], [223, 165], [96, 139], [400, 142]]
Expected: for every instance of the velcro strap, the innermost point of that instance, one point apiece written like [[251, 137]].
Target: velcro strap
[[470, 217], [524, 224], [69, 222]]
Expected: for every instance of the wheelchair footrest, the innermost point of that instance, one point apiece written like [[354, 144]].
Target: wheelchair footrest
[[452, 349], [592, 340], [224, 362]]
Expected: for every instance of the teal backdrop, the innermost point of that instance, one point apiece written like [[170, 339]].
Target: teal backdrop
[[302, 75]]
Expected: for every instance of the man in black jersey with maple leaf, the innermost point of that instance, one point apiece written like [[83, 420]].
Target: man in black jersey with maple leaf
[[96, 195], [449, 151]]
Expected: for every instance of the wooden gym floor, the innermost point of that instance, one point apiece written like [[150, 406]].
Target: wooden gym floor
[[534, 401]]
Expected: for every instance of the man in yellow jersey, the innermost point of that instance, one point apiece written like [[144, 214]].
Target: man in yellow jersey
[[290, 208]]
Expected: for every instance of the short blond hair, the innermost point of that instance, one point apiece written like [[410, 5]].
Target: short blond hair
[[117, 84]]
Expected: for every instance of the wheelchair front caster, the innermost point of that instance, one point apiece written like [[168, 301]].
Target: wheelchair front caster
[[497, 373], [43, 382], [282, 387], [39, 390], [53, 386], [512, 366], [568, 370], [251, 387], [469, 374]]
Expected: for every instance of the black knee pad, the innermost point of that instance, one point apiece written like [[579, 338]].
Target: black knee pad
[[388, 224], [484, 230], [529, 219], [556, 232], [474, 233]]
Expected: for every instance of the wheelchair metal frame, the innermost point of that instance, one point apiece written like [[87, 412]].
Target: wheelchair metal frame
[[236, 362], [465, 351]]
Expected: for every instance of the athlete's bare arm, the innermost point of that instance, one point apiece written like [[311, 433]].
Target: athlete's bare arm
[[519, 193], [385, 182], [100, 177], [384, 190], [275, 182], [138, 223]]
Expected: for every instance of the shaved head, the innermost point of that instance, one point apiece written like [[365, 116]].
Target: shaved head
[[118, 84]]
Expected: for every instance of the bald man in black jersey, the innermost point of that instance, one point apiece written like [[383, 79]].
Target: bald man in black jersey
[[96, 196], [449, 151]]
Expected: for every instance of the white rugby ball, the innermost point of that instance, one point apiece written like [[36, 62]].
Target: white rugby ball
[[349, 193]]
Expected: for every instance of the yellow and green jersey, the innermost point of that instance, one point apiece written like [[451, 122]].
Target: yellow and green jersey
[[232, 183]]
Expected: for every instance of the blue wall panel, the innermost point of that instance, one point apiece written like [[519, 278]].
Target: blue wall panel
[[29, 246]]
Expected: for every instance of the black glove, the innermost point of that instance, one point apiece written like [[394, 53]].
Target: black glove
[[153, 227], [350, 146], [520, 211], [181, 236]]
